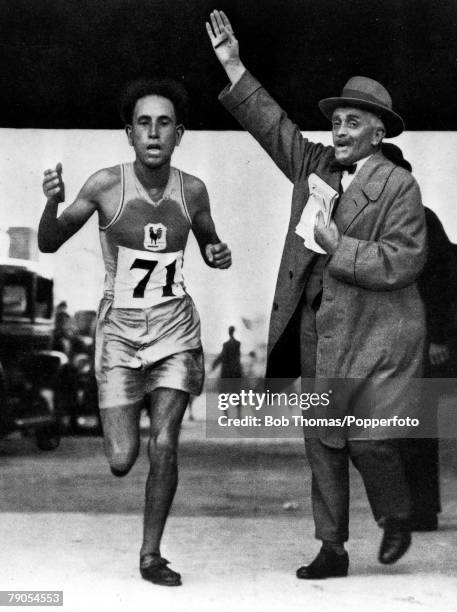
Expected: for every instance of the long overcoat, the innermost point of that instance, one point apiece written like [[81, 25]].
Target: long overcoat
[[370, 323]]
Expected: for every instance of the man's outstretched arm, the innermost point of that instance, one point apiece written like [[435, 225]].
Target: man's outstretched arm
[[256, 110], [53, 231]]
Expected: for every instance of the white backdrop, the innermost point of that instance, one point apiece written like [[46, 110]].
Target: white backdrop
[[250, 201]]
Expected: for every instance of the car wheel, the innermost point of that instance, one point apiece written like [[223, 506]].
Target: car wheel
[[48, 437]]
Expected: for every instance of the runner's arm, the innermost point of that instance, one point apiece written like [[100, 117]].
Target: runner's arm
[[215, 253], [54, 230]]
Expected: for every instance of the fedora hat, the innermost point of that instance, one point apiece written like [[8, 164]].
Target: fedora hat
[[368, 94]]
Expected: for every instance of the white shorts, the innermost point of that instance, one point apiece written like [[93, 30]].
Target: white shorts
[[139, 350]]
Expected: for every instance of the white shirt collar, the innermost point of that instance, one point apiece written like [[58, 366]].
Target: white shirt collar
[[360, 163], [346, 178]]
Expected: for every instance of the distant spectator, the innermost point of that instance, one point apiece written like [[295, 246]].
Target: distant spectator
[[61, 307], [64, 332], [230, 361], [229, 358]]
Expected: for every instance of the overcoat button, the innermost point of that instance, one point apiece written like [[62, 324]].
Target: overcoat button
[[275, 305], [291, 274]]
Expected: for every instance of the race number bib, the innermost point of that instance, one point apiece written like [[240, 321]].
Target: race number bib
[[144, 278]]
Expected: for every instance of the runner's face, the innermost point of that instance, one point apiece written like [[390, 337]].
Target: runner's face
[[154, 133]]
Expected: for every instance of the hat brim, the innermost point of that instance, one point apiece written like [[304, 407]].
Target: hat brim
[[393, 123]]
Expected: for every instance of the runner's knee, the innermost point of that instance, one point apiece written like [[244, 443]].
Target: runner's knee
[[163, 447], [121, 463]]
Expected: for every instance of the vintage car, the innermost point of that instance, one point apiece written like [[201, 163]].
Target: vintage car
[[31, 374]]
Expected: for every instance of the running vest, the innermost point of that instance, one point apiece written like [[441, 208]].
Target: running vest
[[143, 244]]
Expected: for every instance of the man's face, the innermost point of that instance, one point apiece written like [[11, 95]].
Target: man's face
[[154, 133], [355, 134]]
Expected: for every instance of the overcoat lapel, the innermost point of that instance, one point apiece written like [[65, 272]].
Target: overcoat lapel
[[366, 187], [351, 204]]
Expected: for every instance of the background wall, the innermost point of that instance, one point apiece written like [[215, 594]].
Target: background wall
[[62, 64], [250, 201]]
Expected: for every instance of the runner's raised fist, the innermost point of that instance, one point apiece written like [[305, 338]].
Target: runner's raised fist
[[53, 185]]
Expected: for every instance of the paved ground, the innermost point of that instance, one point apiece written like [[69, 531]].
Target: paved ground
[[67, 524], [227, 564]]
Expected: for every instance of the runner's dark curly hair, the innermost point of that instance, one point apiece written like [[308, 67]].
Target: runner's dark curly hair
[[165, 86]]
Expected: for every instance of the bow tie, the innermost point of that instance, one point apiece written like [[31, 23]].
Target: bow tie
[[337, 167]]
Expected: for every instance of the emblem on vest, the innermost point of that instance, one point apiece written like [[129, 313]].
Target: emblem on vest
[[155, 237]]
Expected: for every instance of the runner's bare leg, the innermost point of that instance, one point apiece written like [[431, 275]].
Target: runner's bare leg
[[121, 436], [167, 409]]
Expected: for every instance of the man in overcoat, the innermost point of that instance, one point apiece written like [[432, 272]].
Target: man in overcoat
[[353, 313]]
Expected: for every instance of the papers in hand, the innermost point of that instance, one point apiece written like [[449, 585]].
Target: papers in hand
[[322, 198]]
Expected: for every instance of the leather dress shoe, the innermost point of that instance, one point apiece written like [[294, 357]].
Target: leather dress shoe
[[327, 564], [395, 541], [155, 570]]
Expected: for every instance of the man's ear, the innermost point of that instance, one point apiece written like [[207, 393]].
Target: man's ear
[[128, 131], [179, 133], [378, 135]]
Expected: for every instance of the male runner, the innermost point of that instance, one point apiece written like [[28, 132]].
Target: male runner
[[148, 332]]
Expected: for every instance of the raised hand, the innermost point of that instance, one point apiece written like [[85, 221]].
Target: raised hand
[[53, 185], [225, 44]]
